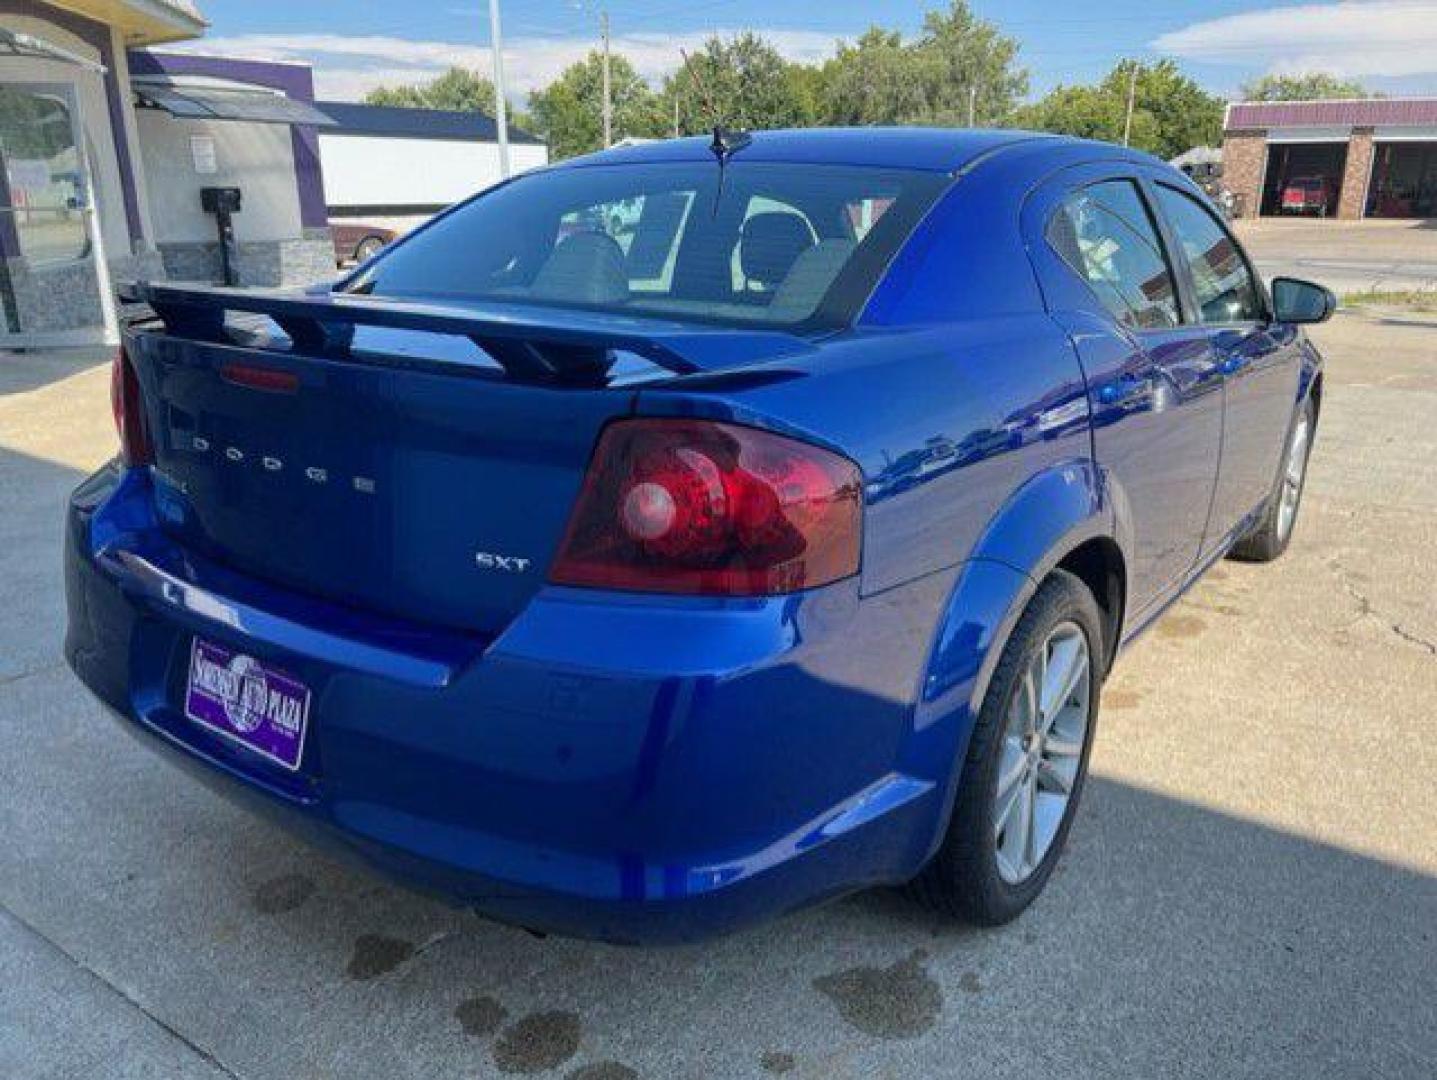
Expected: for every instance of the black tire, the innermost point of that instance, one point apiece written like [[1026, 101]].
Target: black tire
[[368, 248], [1269, 539], [963, 879]]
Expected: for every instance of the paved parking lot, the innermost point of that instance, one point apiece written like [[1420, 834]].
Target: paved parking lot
[[1251, 888]]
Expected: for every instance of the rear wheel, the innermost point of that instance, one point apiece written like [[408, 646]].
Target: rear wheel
[[1271, 536], [1026, 762]]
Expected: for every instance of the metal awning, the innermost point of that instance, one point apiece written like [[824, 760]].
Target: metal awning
[[16, 43], [223, 103]]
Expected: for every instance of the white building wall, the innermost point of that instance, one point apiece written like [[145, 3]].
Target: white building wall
[[372, 171], [256, 158]]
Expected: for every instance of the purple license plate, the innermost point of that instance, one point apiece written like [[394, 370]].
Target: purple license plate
[[248, 702]]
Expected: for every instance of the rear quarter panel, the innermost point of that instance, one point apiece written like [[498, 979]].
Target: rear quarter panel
[[946, 423]]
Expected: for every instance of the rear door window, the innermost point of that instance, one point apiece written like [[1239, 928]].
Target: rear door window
[[1105, 233]]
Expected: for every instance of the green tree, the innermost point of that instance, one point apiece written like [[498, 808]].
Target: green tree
[[974, 68], [808, 88], [878, 80], [739, 83], [1087, 112], [458, 89], [1310, 87], [1171, 113], [569, 112], [1185, 113]]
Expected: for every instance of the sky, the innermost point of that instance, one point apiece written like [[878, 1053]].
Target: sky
[[354, 45]]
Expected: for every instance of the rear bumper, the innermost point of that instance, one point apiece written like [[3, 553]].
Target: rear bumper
[[620, 767]]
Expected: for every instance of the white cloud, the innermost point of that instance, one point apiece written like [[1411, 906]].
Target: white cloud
[[346, 67], [1368, 38]]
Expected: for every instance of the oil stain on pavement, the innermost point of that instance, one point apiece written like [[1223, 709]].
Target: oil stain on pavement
[[283, 893], [375, 955], [900, 1001], [538, 1042], [603, 1070], [1121, 699], [480, 1017], [777, 1062], [1180, 626]]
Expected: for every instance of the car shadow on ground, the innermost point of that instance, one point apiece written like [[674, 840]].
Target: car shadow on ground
[[31, 607], [35, 368], [1167, 925]]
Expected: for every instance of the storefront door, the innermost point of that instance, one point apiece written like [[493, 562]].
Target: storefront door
[[54, 283]]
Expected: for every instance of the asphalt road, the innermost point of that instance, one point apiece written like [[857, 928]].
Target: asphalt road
[[1347, 256], [1251, 889]]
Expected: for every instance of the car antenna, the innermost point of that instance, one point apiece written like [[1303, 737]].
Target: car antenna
[[725, 145], [726, 141]]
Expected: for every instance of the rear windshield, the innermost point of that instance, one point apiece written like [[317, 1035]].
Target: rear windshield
[[774, 245]]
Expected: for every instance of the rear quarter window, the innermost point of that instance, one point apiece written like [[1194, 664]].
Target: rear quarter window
[[1107, 237]]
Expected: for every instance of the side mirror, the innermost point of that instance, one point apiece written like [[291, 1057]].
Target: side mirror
[[1295, 301]]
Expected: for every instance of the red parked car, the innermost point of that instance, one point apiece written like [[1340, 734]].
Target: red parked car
[[1307, 195], [356, 241]]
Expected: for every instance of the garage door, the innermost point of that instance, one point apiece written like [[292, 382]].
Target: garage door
[[1404, 180]]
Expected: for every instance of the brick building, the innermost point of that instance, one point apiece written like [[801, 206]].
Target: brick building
[[1374, 157]]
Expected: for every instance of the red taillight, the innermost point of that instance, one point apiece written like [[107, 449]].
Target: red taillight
[[135, 446], [694, 506]]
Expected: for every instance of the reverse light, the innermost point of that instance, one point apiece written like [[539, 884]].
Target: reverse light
[[128, 407], [701, 507]]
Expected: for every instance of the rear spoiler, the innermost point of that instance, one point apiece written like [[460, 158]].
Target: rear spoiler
[[531, 343]]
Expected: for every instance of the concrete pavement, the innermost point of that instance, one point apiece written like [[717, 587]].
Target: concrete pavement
[[1251, 888], [1346, 256]]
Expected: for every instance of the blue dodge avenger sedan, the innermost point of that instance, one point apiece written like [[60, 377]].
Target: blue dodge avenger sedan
[[692, 532]]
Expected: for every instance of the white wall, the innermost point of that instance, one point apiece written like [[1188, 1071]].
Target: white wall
[[94, 107], [256, 158], [365, 170]]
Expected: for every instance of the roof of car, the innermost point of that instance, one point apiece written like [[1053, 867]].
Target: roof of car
[[933, 149]]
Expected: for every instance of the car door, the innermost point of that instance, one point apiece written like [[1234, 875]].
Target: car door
[[1154, 388], [1260, 360]]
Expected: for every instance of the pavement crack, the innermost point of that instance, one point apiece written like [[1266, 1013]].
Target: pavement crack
[[1366, 609], [135, 1003], [436, 939], [1407, 635], [6, 680]]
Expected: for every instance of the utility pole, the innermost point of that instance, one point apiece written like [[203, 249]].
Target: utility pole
[[973, 105], [608, 82], [1132, 98], [501, 101]]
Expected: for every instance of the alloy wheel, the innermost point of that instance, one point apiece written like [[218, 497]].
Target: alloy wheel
[[1042, 750], [1293, 473]]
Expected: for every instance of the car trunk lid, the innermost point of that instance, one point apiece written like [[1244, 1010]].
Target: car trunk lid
[[356, 457]]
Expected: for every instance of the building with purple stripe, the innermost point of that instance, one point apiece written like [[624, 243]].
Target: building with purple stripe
[[1347, 159], [105, 145]]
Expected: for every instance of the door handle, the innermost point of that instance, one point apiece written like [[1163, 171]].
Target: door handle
[[1234, 364], [1125, 389]]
